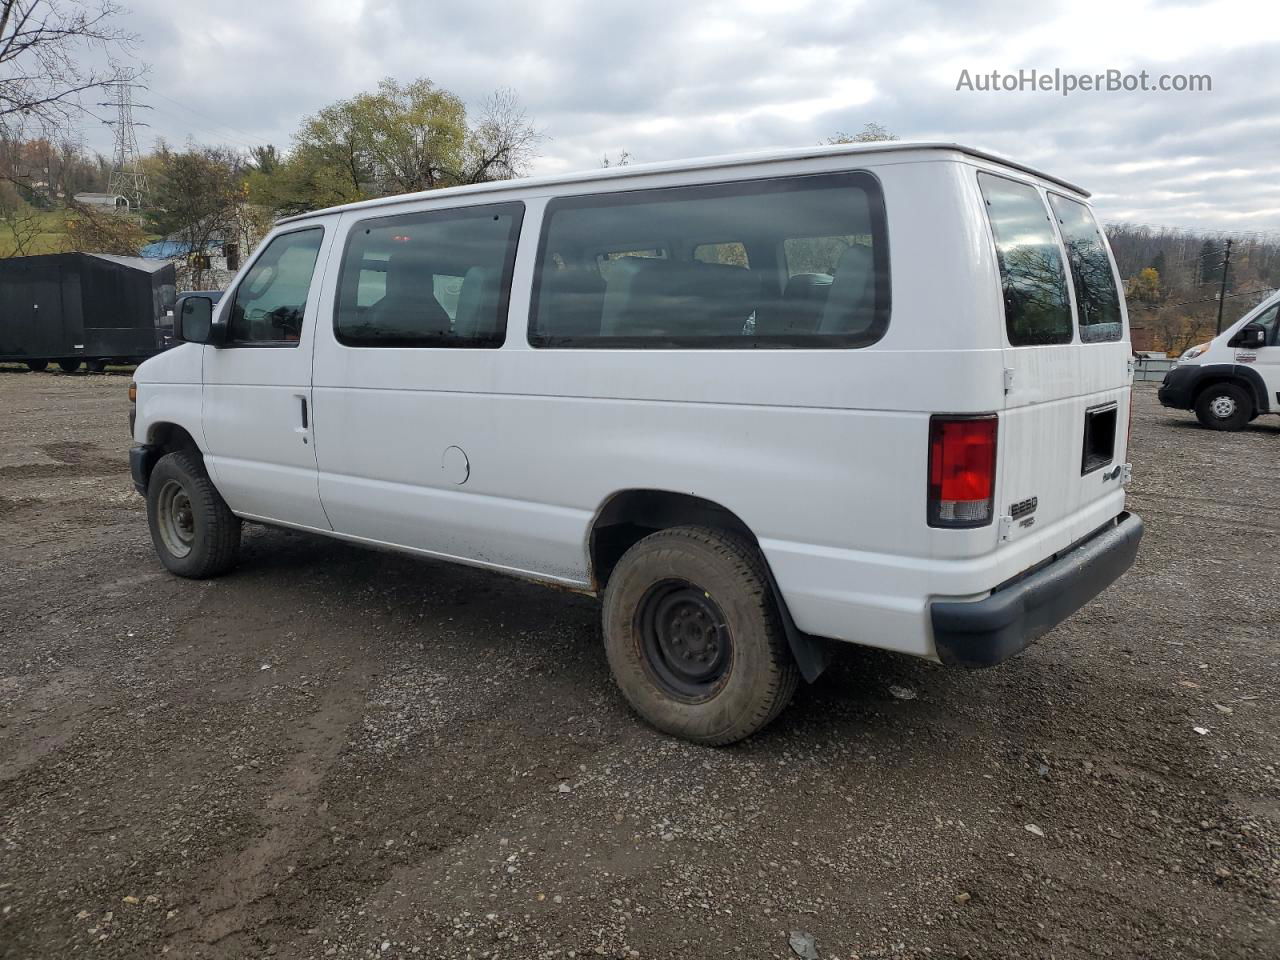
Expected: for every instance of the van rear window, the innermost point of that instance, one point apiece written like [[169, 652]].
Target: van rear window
[[1097, 298], [1036, 306], [720, 278]]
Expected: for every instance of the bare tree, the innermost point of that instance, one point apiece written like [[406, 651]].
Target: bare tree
[[503, 143], [46, 61], [624, 160], [103, 230]]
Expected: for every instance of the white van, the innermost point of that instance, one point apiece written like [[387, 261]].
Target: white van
[[1235, 377], [875, 394]]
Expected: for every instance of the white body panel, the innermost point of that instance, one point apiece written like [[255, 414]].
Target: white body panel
[[822, 453]]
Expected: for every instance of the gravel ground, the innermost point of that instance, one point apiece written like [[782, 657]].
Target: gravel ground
[[340, 753]]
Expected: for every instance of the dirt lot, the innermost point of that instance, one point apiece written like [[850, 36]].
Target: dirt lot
[[334, 752]]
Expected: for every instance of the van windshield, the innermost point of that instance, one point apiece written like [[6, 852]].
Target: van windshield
[[1097, 299]]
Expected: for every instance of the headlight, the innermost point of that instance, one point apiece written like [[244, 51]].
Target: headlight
[[1192, 352]]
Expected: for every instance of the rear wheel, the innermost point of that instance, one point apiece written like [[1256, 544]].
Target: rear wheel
[[37, 366], [69, 366], [95, 366], [192, 528], [1224, 406], [694, 637]]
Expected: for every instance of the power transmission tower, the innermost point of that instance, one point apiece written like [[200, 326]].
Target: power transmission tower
[[127, 177]]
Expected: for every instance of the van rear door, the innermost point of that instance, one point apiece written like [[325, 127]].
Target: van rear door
[[1064, 428]]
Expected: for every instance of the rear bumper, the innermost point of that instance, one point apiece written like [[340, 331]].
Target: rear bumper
[[1178, 388], [982, 633]]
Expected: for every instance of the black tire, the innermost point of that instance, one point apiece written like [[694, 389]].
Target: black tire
[[661, 608], [186, 513], [69, 366], [1224, 406], [37, 366], [95, 366]]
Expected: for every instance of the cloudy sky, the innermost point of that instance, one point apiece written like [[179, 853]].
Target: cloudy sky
[[665, 80]]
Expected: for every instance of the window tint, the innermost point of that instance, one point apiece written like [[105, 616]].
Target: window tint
[[603, 281], [272, 297], [433, 279], [1036, 307], [1097, 299]]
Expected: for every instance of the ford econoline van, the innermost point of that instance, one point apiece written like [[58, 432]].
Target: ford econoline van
[[876, 394], [1235, 377]]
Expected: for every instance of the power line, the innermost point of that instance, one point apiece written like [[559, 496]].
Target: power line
[[1241, 293], [257, 141]]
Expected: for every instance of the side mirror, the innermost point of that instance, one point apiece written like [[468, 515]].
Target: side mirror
[[1251, 336], [193, 319]]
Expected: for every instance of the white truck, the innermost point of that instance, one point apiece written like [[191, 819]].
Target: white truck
[[874, 394]]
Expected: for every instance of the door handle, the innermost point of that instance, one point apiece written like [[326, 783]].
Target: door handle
[[304, 412]]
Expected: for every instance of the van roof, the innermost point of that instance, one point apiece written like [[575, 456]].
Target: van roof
[[696, 163]]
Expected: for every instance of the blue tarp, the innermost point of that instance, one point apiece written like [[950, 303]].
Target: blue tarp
[[166, 250]]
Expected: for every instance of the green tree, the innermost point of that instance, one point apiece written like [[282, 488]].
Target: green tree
[[197, 198], [401, 138], [870, 133]]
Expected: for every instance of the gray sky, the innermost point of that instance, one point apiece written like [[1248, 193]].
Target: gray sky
[[665, 80]]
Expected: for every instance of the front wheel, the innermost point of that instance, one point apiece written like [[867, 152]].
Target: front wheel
[[194, 531], [694, 637], [1223, 406]]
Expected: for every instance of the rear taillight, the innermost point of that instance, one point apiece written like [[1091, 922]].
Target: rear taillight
[[962, 470]]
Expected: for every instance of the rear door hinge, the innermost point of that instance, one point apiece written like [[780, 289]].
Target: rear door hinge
[[1008, 379], [1006, 529]]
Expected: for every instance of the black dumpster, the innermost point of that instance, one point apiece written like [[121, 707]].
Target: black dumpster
[[73, 308]]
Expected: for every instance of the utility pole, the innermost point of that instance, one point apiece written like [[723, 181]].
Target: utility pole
[[127, 177], [1222, 293]]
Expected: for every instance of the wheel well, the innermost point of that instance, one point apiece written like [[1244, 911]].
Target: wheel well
[[631, 515], [168, 438], [1214, 380]]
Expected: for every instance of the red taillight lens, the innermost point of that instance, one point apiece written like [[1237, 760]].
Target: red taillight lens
[[962, 470]]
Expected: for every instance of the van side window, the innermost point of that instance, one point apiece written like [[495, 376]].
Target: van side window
[[272, 297], [438, 278], [604, 281], [1037, 309], [1097, 298]]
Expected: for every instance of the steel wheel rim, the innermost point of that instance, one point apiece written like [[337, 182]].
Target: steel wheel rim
[[684, 640], [1223, 407], [175, 519]]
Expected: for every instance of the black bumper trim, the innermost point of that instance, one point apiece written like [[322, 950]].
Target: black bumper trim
[[982, 633], [142, 457]]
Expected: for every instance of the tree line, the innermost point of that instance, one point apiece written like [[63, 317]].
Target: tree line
[[1174, 279]]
